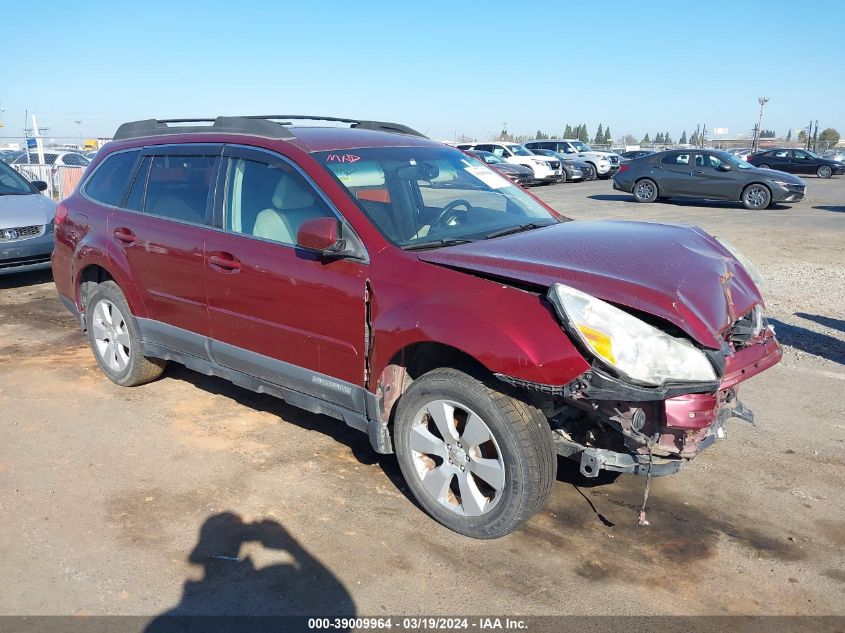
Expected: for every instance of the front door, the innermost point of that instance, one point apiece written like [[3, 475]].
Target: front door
[[278, 312], [802, 162], [710, 177]]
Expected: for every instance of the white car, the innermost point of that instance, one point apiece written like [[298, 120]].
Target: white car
[[57, 158], [545, 169], [605, 163]]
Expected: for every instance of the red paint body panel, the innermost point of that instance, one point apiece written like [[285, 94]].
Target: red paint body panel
[[672, 272], [509, 331], [289, 305]]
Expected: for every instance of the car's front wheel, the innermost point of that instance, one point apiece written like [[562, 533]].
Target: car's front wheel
[[645, 190], [824, 172], [115, 340], [478, 460], [763, 166], [756, 197]]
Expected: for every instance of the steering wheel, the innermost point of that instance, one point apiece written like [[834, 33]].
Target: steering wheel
[[447, 212]]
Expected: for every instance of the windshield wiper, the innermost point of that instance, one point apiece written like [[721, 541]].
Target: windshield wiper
[[434, 244], [517, 229]]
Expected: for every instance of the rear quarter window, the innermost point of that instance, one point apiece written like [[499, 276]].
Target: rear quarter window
[[109, 182]]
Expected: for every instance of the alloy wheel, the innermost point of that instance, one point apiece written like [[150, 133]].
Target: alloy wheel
[[824, 172], [456, 457], [111, 336], [756, 197], [644, 190]]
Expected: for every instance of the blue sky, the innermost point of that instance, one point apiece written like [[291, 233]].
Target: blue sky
[[442, 67]]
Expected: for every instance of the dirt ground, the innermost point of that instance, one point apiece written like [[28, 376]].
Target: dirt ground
[[191, 495]]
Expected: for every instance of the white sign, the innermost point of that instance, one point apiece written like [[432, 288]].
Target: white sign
[[720, 130]]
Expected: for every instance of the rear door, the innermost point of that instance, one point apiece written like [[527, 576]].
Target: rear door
[[780, 159], [162, 234], [676, 176], [278, 312]]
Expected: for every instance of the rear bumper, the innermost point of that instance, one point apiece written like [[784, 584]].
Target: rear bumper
[[24, 255]]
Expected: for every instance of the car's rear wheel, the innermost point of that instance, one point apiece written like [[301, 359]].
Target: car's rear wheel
[[756, 196], [763, 166], [115, 340], [478, 460], [645, 190], [824, 172]]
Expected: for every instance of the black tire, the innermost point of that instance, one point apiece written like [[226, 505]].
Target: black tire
[[824, 171], [645, 190], [130, 368], [592, 174], [756, 196], [763, 166], [521, 444]]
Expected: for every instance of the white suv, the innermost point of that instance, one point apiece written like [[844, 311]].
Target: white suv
[[605, 163], [545, 168]]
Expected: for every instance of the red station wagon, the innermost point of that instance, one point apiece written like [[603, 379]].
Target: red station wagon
[[398, 285]]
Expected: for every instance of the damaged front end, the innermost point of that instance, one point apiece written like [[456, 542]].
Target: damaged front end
[[648, 418]]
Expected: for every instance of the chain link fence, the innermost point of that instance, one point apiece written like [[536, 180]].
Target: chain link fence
[[61, 179]]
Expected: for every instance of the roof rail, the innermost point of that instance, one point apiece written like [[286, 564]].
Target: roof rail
[[221, 124], [268, 126], [380, 126]]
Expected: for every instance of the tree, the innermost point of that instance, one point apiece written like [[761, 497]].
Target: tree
[[583, 136], [599, 135], [646, 139], [802, 136], [829, 135], [567, 133], [630, 140], [607, 137], [659, 138], [767, 133], [541, 135], [693, 140], [683, 140], [667, 140]]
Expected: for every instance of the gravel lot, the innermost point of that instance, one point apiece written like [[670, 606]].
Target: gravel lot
[[191, 494]]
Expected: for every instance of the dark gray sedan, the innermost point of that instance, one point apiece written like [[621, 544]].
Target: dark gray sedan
[[712, 174], [26, 223]]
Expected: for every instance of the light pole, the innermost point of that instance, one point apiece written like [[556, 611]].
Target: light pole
[[79, 132], [762, 101]]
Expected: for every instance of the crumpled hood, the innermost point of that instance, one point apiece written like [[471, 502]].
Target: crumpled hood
[[28, 210], [677, 273]]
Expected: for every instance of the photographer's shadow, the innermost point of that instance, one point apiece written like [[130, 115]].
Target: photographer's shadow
[[232, 584]]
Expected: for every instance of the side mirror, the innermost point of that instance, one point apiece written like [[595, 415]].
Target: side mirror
[[724, 167], [40, 185], [320, 235]]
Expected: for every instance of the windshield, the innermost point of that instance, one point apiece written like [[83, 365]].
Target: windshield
[[12, 183], [733, 160], [520, 150], [421, 195], [581, 147]]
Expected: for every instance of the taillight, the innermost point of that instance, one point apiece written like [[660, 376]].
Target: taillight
[[61, 213], [623, 169]]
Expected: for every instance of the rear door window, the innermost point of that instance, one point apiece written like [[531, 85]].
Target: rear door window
[[675, 159], [109, 182], [179, 187]]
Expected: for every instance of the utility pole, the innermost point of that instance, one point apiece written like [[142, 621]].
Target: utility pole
[[703, 134], [762, 101], [815, 136], [79, 132]]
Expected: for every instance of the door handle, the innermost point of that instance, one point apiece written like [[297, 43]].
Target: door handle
[[699, 171], [225, 262], [124, 235]]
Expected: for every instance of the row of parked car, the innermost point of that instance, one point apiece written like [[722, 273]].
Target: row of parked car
[[545, 161], [56, 157]]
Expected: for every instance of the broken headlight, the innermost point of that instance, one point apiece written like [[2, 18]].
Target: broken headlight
[[631, 346]]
